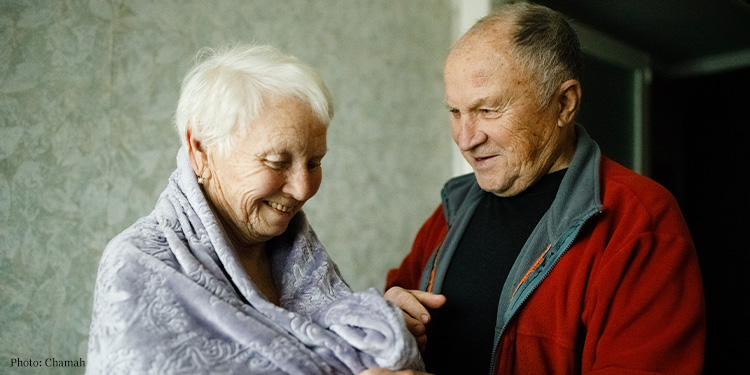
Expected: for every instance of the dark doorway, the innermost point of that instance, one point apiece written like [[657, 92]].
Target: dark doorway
[[607, 108], [700, 151]]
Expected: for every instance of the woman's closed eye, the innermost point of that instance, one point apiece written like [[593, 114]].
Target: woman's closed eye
[[283, 164], [275, 164], [314, 164]]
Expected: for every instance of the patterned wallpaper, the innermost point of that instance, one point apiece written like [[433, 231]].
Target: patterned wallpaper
[[87, 93]]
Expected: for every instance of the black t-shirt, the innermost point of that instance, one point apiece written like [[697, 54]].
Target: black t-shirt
[[461, 333]]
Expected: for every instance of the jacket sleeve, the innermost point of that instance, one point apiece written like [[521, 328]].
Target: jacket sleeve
[[646, 312], [428, 239]]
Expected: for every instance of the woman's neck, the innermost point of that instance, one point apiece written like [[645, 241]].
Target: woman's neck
[[257, 264], [253, 257]]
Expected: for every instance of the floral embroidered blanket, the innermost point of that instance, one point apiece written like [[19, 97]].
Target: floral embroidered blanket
[[172, 298]]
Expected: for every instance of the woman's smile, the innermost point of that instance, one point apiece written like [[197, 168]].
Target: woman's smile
[[280, 207]]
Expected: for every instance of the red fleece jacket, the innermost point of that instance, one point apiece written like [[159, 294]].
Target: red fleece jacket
[[626, 298]]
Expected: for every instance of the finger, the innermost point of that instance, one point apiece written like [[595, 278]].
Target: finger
[[407, 302], [418, 330], [428, 299], [421, 342], [377, 371], [415, 326]]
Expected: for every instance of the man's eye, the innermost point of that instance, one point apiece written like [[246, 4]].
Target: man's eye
[[489, 113]]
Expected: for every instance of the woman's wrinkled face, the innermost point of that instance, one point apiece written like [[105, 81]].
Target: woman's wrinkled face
[[272, 170]]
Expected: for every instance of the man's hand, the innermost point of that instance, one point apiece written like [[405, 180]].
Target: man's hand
[[414, 304], [383, 371]]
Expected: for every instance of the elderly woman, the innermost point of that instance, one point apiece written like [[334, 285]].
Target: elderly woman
[[226, 275]]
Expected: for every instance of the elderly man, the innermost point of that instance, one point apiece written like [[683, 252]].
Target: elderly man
[[549, 258]]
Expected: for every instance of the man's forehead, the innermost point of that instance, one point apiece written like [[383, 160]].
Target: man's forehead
[[483, 73], [475, 67]]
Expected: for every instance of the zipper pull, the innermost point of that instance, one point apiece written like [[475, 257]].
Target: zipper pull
[[531, 270]]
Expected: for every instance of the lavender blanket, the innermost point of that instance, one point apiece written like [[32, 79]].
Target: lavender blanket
[[172, 298]]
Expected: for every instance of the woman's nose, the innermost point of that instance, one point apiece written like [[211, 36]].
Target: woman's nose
[[299, 185]]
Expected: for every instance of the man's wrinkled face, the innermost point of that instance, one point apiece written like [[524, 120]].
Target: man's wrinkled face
[[506, 136]]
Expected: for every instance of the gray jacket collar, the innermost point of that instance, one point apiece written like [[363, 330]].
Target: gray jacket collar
[[577, 199]]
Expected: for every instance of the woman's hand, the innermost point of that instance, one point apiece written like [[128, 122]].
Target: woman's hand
[[414, 304]]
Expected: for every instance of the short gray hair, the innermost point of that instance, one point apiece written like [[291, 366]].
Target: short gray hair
[[545, 45], [226, 90]]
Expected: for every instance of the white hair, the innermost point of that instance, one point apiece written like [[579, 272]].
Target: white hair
[[226, 90]]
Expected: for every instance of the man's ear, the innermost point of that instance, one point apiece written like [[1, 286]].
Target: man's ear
[[197, 154], [569, 100]]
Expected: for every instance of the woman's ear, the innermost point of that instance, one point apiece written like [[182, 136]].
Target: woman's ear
[[197, 154], [570, 100]]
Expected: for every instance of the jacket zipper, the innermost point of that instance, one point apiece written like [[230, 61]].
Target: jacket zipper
[[434, 268], [531, 270]]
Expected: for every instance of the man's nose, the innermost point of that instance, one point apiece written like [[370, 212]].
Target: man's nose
[[466, 132]]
